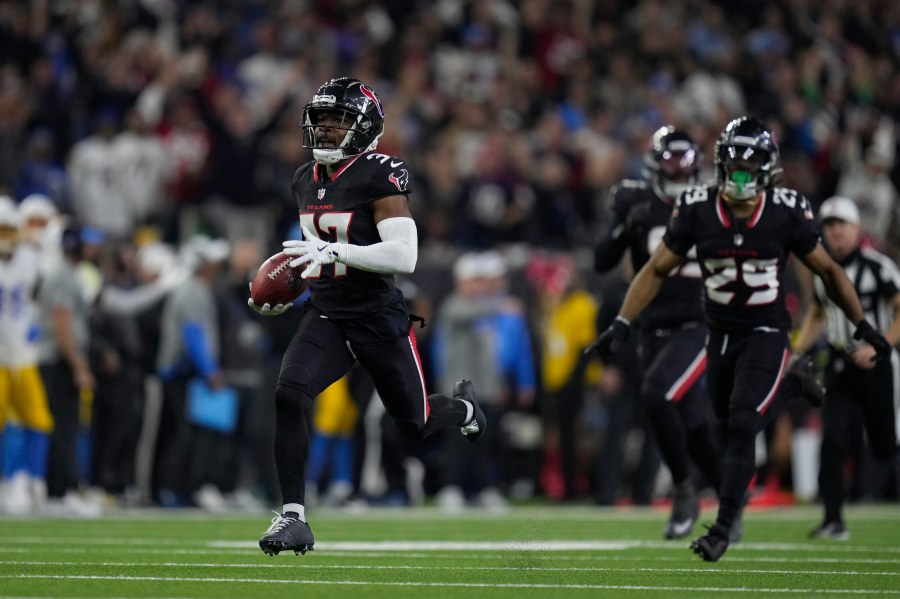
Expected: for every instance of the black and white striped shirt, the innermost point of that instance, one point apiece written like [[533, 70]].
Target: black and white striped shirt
[[877, 280]]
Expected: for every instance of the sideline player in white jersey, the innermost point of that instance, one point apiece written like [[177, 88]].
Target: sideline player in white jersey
[[21, 388]]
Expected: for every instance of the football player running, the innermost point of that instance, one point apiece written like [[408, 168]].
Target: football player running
[[672, 328], [22, 390], [358, 233], [743, 228]]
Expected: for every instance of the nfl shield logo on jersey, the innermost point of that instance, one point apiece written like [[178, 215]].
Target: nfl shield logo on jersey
[[321, 193], [738, 239]]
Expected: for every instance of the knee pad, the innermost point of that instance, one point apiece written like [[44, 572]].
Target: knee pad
[[412, 430], [288, 395]]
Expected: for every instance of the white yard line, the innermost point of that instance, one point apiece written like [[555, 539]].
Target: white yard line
[[610, 587]]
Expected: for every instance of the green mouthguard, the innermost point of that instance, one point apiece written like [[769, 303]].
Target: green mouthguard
[[741, 178]]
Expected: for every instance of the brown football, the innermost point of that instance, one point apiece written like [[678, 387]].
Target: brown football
[[276, 282]]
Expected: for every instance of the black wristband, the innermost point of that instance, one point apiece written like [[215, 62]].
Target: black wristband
[[622, 325], [862, 327]]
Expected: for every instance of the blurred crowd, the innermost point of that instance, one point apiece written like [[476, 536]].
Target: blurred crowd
[[162, 136]]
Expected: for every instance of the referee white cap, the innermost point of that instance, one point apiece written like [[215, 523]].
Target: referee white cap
[[840, 208]]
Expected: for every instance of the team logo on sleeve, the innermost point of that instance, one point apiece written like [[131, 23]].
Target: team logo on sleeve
[[401, 180]]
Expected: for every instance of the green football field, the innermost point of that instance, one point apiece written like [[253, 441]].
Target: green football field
[[565, 552]]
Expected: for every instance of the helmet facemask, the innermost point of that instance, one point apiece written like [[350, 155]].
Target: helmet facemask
[[677, 172], [746, 159], [746, 172], [314, 136], [672, 163]]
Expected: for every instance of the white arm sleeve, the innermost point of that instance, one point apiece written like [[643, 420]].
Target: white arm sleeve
[[395, 254]]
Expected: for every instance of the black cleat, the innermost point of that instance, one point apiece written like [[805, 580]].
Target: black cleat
[[287, 533], [474, 430], [711, 546], [685, 511], [834, 530], [811, 389]]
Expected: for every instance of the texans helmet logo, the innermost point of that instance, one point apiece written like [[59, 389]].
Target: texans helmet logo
[[401, 181], [370, 94]]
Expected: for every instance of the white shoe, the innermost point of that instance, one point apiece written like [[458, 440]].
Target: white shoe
[[338, 493], [415, 481], [18, 495], [450, 499], [98, 498], [71, 505], [244, 499], [491, 499], [210, 498], [38, 494]]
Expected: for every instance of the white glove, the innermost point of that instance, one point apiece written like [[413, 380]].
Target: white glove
[[266, 309], [311, 251]]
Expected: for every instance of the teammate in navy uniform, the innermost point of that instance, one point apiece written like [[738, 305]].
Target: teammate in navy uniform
[[861, 394], [743, 229], [358, 233], [672, 328]]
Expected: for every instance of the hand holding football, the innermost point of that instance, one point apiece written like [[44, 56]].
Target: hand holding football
[[276, 283]]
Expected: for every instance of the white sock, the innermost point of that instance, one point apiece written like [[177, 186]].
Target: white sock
[[470, 412], [294, 507]]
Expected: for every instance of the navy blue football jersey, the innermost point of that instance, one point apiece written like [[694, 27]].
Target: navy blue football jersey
[[743, 259], [338, 209], [639, 223]]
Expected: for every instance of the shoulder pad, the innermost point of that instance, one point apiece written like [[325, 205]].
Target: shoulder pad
[[793, 200], [390, 162], [627, 191], [389, 174], [631, 184], [696, 194]]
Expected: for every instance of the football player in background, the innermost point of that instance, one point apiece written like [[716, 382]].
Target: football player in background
[[358, 233], [672, 328], [860, 393], [21, 387], [41, 228], [744, 229]]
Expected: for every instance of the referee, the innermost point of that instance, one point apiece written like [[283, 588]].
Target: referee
[[860, 392]]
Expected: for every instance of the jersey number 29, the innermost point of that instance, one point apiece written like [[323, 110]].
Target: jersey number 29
[[761, 276]]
